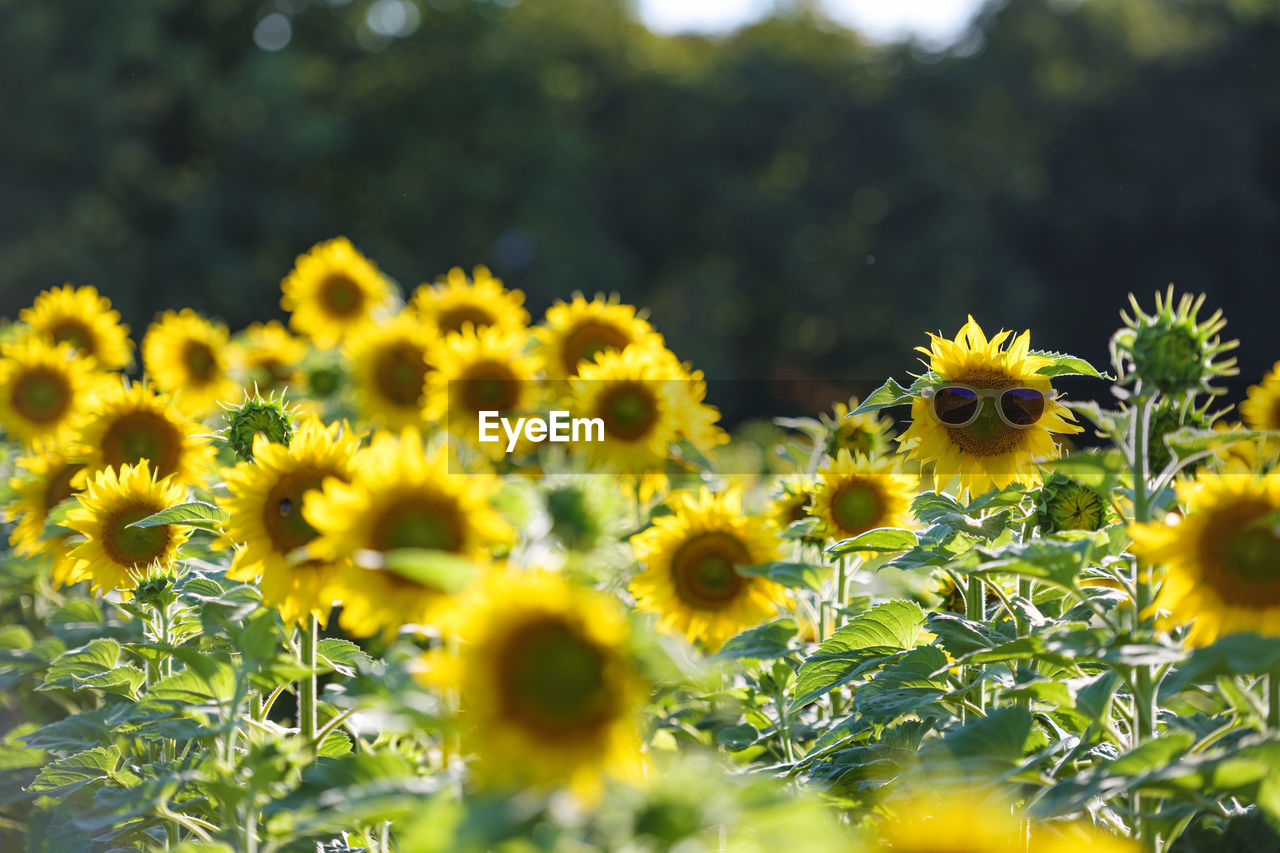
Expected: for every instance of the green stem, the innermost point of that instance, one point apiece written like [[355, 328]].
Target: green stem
[[975, 609], [307, 684], [1273, 700], [842, 590]]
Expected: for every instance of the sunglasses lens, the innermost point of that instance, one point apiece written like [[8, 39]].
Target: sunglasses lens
[[1022, 406], [954, 406]]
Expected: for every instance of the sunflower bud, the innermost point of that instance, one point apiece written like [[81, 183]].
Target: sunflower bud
[[1169, 416], [1172, 348], [256, 416], [1064, 504], [156, 590]]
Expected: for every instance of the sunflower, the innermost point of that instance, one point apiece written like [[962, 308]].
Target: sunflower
[[574, 333], [390, 364], [691, 579], [44, 482], [647, 401], [265, 508], [186, 356], [946, 824], [332, 291], [269, 359], [857, 494], [130, 423], [401, 497], [1261, 408], [1222, 556], [454, 301], [114, 554], [792, 504], [81, 317], [44, 388], [548, 691], [987, 453], [481, 370], [867, 434]]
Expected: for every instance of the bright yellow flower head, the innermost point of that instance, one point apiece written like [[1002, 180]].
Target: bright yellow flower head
[[691, 578], [332, 291], [866, 434], [44, 388], [269, 359], [186, 356], [952, 822], [1222, 557], [401, 497], [548, 691], [482, 370], [114, 555], [1261, 408], [81, 317], [647, 401], [857, 495], [390, 363], [988, 453], [129, 423], [266, 521], [574, 333], [44, 481], [481, 301]]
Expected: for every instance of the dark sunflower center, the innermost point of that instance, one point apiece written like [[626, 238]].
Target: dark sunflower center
[[452, 319], [282, 509], [554, 680], [589, 340], [798, 509], [134, 547], [1241, 554], [41, 395], [629, 411], [855, 439], [72, 331], [856, 507], [201, 362], [418, 522], [1274, 423], [703, 570], [399, 373], [341, 296], [58, 487], [135, 436], [489, 386]]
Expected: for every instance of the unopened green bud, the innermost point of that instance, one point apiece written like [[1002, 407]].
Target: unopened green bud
[[256, 416], [1172, 349], [1064, 504]]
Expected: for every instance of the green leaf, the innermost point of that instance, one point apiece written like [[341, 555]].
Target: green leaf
[[960, 636], [880, 539], [1067, 365], [1188, 441], [788, 574], [213, 683], [1234, 654], [342, 656], [335, 743], [737, 738], [904, 687], [198, 514], [768, 641], [1000, 739], [863, 643], [441, 570], [1097, 469], [75, 771], [95, 665], [802, 529], [888, 394]]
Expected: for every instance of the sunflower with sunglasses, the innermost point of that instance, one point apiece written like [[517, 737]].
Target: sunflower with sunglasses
[[990, 415]]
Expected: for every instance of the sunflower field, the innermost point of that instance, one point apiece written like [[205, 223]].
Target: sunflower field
[[277, 590]]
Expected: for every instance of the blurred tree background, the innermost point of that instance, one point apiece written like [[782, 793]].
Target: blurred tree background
[[789, 201]]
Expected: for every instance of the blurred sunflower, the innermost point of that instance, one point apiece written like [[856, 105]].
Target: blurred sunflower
[[130, 423], [266, 521], [646, 401], [44, 388], [481, 370], [114, 554], [548, 692], [855, 495], [792, 503], [987, 453], [269, 359], [691, 578], [43, 481], [401, 497], [390, 363], [332, 291], [867, 434], [946, 824], [1261, 408], [573, 333], [1222, 556], [80, 316], [186, 356], [454, 301]]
